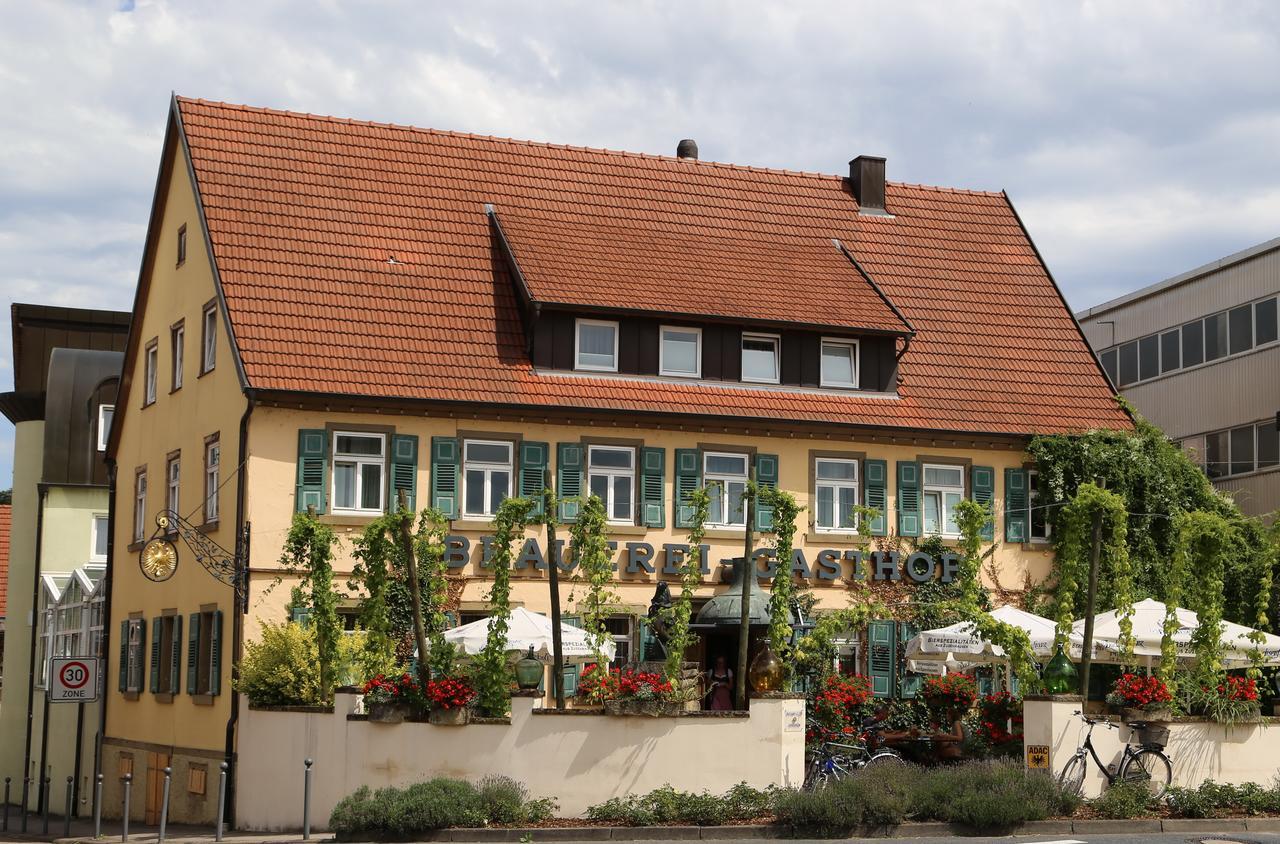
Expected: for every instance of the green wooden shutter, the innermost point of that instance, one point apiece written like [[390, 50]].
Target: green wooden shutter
[[175, 656], [533, 474], [688, 479], [649, 648], [569, 467], [124, 656], [766, 478], [313, 454], [300, 615], [570, 672], [876, 494], [215, 653], [1017, 497], [155, 654], [444, 475], [653, 477], [404, 471], [910, 683], [983, 481], [882, 657], [193, 653], [909, 517]]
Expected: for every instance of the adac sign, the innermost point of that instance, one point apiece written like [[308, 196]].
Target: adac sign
[[641, 558]]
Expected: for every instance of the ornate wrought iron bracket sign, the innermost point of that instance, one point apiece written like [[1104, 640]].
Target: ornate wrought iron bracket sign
[[159, 557]]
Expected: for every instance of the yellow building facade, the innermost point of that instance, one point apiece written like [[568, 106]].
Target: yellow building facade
[[258, 383]]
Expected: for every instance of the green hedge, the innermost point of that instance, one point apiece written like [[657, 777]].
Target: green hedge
[[667, 805], [396, 813]]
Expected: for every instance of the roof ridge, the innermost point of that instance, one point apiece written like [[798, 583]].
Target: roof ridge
[[450, 133]]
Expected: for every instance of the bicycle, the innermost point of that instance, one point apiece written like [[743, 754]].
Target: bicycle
[[834, 761], [1145, 763]]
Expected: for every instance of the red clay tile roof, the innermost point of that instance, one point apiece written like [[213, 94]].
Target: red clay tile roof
[[303, 213], [6, 519]]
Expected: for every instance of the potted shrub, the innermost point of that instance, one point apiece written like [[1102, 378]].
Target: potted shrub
[[954, 693], [388, 699], [641, 693], [1141, 698], [839, 708], [448, 699], [596, 685]]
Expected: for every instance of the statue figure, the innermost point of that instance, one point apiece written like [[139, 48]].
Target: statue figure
[[657, 614]]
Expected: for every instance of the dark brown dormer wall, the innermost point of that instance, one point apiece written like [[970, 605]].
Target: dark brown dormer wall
[[638, 350]]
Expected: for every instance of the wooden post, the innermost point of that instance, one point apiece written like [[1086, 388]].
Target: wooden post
[[1086, 659], [415, 593], [748, 576], [553, 578]]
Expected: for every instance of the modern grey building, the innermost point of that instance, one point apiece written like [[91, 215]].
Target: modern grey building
[[1197, 354]]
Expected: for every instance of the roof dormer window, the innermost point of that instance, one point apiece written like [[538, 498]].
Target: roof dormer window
[[839, 363], [681, 352], [596, 345]]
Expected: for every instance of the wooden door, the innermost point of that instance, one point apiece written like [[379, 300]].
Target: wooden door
[[156, 763]]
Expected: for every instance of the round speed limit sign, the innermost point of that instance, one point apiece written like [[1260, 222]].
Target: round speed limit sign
[[74, 680]]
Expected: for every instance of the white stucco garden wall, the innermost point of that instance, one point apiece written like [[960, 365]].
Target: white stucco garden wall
[[577, 759], [1199, 750]]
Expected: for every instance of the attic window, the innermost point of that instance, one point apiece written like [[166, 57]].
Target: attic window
[[596, 345], [839, 363], [681, 352], [182, 244]]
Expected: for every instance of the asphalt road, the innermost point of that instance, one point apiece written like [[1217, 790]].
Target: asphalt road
[[1085, 838]]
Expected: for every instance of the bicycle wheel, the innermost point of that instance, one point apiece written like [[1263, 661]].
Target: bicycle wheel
[[1151, 767], [1071, 780], [884, 759], [815, 775]]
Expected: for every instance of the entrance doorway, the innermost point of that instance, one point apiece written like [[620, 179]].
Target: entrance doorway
[[724, 642], [156, 763]]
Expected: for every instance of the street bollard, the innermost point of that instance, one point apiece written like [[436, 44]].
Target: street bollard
[[124, 822], [97, 807], [66, 818], [6, 803], [306, 800], [222, 799], [26, 795], [164, 805], [44, 817]]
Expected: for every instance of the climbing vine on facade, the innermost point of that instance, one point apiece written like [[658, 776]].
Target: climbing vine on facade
[[1075, 522], [782, 590], [492, 675], [308, 552], [679, 636], [590, 541]]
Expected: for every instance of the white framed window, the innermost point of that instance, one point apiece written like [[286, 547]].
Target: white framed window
[[45, 639], [134, 669], [177, 340], [173, 485], [943, 491], [212, 470], [359, 461], [839, 363], [611, 476], [835, 494], [152, 355], [729, 473], [595, 345], [680, 352], [97, 613], [760, 358], [139, 505], [1039, 525], [106, 412], [69, 621], [486, 476], [208, 337], [619, 629], [98, 538]]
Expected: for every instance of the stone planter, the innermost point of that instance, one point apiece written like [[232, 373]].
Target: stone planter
[[455, 717], [385, 713], [652, 708], [1153, 716]]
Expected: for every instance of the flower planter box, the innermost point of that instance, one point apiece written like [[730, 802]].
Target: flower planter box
[[1161, 715], [652, 708], [385, 713], [455, 717]]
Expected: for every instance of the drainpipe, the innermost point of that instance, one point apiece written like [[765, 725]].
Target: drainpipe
[[237, 615], [35, 633], [103, 659]]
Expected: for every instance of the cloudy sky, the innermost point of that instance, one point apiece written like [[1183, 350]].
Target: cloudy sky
[[1138, 139]]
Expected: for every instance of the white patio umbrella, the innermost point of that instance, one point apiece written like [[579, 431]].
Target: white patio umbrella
[[959, 643], [1148, 630], [529, 628]]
